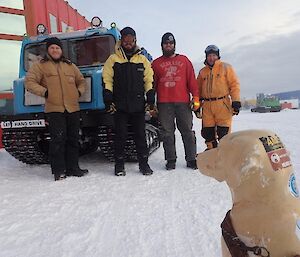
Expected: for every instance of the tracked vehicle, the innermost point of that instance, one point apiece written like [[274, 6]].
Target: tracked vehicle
[[25, 133], [266, 103]]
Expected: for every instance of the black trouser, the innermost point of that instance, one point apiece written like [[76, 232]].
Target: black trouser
[[137, 121], [64, 146]]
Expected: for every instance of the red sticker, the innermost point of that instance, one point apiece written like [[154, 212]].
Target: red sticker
[[279, 159]]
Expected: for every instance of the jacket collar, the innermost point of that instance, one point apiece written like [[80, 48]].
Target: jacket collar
[[120, 52], [217, 63]]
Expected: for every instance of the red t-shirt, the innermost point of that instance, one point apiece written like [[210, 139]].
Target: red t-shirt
[[174, 79]]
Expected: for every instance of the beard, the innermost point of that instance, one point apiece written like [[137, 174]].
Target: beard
[[130, 50], [56, 59], [168, 53]]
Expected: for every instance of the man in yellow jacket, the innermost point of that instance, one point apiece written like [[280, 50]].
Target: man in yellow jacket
[[219, 90], [61, 83], [127, 76]]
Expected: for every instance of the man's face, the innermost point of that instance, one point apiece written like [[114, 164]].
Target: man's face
[[168, 48], [55, 52], [211, 59], [128, 42]]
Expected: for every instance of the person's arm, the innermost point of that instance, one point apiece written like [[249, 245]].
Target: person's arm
[[191, 80], [233, 84], [79, 80], [148, 75], [200, 83], [33, 81], [234, 90], [108, 74]]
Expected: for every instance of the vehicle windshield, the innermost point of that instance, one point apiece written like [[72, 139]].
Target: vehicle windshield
[[81, 51], [33, 53], [91, 51]]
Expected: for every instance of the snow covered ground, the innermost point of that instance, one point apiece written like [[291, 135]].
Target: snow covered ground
[[170, 214]]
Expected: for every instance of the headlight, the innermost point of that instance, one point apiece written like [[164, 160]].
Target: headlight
[[41, 29], [96, 21]]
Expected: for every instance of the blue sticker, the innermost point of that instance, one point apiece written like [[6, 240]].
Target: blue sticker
[[293, 186]]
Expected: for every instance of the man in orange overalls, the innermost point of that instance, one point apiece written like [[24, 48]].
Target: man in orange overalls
[[219, 90]]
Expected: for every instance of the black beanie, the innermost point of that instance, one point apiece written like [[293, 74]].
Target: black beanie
[[127, 31], [168, 37], [53, 41]]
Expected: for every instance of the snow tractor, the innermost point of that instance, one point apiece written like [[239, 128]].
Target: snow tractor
[[25, 133], [266, 103]]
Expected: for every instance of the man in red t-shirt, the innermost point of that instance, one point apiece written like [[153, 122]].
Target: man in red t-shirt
[[175, 82]]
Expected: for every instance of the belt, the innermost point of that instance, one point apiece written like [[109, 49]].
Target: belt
[[213, 98]]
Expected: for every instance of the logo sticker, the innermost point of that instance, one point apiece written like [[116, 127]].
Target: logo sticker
[[277, 154], [293, 186], [23, 124]]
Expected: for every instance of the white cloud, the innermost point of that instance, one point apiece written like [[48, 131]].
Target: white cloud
[[270, 66]]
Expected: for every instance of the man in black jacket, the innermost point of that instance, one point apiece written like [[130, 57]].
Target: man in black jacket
[[127, 76]]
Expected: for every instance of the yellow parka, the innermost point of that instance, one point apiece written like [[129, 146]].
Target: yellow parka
[[120, 57], [63, 81]]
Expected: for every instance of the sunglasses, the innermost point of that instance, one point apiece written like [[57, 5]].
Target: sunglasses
[[168, 43], [128, 42]]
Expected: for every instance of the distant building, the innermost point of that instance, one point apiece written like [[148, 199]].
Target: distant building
[[288, 95], [22, 17], [290, 103]]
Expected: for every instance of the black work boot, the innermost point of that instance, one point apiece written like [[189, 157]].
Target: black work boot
[[144, 166], [59, 176], [171, 165], [145, 169], [76, 172], [211, 145], [192, 164], [119, 167]]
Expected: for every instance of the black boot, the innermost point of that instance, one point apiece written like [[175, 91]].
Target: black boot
[[171, 165], [192, 164], [211, 145], [119, 167], [59, 176], [76, 172], [144, 167]]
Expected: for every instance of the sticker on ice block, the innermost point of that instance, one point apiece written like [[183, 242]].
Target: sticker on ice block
[[277, 154]]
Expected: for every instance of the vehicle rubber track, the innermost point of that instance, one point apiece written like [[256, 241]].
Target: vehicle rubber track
[[106, 142], [24, 146]]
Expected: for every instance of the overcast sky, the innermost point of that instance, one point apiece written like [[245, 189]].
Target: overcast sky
[[260, 38]]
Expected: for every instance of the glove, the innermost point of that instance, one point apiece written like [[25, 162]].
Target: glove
[[108, 100], [198, 113], [107, 97], [236, 105], [152, 110], [195, 103], [150, 98], [111, 108]]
